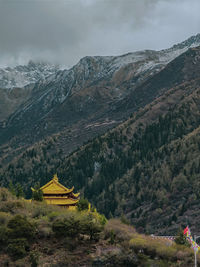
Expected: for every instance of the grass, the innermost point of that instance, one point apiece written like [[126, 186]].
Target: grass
[[59, 237]]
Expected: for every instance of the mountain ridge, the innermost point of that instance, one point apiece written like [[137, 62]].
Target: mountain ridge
[[22, 75], [93, 86], [139, 65]]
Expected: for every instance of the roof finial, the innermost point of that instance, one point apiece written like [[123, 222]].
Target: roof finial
[[55, 177]]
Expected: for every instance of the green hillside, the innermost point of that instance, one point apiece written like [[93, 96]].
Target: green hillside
[[36, 234]]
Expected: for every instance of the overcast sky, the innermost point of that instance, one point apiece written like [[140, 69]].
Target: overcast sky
[[63, 31]]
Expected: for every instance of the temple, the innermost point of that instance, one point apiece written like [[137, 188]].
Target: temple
[[55, 193]]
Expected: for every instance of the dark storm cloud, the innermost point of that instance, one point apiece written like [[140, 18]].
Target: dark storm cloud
[[63, 31]]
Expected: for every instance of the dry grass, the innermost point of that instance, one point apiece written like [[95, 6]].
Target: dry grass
[[121, 231], [161, 248], [118, 243]]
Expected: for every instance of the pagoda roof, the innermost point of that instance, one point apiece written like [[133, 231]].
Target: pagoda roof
[[54, 187], [60, 200], [76, 195]]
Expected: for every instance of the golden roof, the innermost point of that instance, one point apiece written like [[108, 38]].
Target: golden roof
[[76, 195], [60, 200], [54, 187]]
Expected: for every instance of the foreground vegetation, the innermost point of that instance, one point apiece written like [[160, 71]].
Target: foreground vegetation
[[36, 234]]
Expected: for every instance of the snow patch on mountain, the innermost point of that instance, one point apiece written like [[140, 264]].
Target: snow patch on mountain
[[21, 76], [97, 67]]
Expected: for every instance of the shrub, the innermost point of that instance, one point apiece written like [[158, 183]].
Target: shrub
[[168, 253], [152, 247], [20, 227], [181, 239], [11, 206], [124, 219], [53, 215], [159, 248], [100, 218], [90, 225], [41, 210], [34, 258], [70, 243], [122, 231], [3, 236], [44, 232], [83, 204], [44, 228], [59, 228], [138, 244], [184, 253], [69, 226], [5, 195], [73, 224], [112, 237], [4, 217], [17, 248]]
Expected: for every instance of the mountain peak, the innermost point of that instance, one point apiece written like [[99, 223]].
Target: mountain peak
[[192, 41], [23, 75]]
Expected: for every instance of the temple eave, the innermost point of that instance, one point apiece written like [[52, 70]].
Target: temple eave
[[76, 195], [58, 197], [61, 201], [55, 193]]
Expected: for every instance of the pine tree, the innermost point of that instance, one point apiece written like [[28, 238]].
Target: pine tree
[[37, 193], [181, 239], [11, 188], [19, 190]]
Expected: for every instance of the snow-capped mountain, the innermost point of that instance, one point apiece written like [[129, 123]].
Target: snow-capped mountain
[[90, 89], [146, 60], [114, 70], [21, 76]]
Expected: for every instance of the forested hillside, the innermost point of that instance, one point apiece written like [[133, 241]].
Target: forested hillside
[[84, 101], [146, 168]]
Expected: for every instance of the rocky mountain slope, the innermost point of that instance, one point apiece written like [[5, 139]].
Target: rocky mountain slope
[[23, 75], [17, 83], [90, 93], [147, 167]]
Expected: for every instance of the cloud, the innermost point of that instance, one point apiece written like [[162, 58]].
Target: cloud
[[63, 31]]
